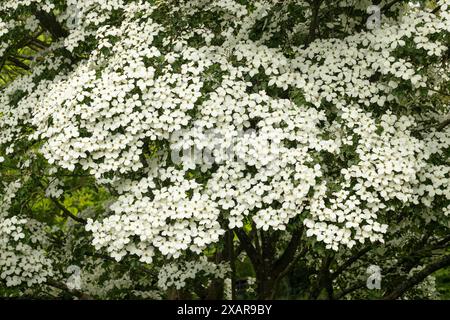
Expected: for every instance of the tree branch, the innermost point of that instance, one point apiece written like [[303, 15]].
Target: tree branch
[[417, 278], [348, 290], [16, 62], [248, 247], [49, 22], [66, 212], [435, 10], [314, 20], [283, 262], [350, 261], [324, 281], [443, 124]]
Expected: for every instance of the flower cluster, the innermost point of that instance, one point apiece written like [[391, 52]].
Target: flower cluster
[[172, 219], [22, 260], [177, 274]]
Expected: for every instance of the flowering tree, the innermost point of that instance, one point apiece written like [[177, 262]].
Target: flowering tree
[[173, 149]]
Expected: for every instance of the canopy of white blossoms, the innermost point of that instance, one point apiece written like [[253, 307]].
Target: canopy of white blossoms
[[21, 262], [318, 149]]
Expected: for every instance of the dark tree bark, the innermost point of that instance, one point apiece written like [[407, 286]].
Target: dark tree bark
[[49, 23], [398, 291], [269, 270], [314, 24]]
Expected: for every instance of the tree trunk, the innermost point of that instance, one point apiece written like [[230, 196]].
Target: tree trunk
[[266, 286]]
